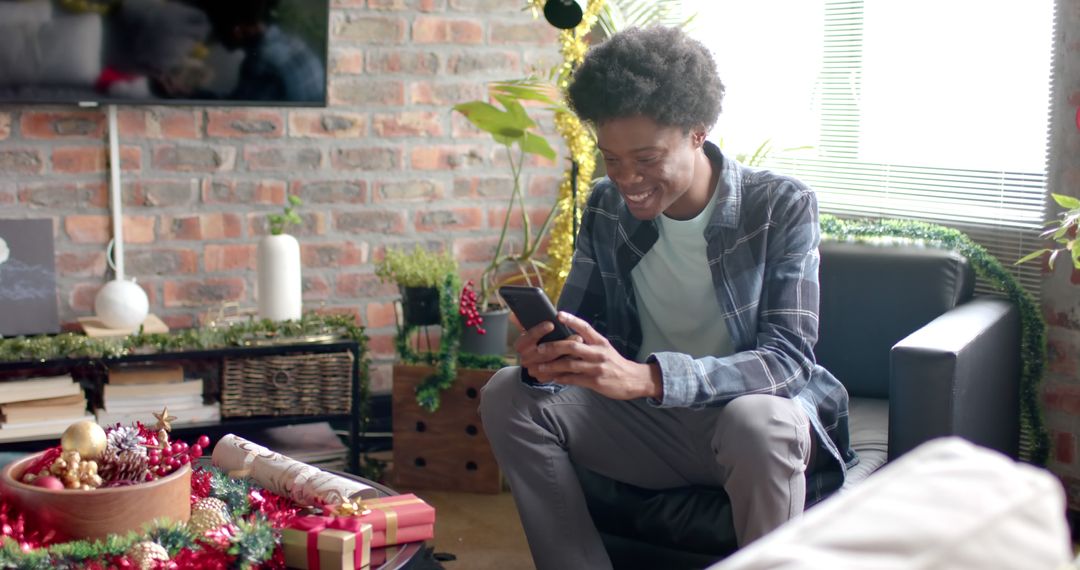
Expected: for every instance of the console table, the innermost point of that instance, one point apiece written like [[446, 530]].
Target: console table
[[92, 372]]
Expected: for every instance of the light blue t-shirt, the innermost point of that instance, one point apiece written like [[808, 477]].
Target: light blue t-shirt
[[676, 298]]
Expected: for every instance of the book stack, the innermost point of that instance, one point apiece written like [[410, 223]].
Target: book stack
[[315, 444], [40, 407], [135, 392]]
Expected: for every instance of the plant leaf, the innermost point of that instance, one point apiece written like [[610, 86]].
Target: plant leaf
[[490, 118], [1067, 202], [1036, 254], [524, 91], [516, 111], [535, 144], [506, 140]]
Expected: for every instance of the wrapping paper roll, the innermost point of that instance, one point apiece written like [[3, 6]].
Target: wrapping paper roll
[[303, 483]]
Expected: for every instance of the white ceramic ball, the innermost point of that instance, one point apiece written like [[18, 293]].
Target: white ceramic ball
[[121, 304]]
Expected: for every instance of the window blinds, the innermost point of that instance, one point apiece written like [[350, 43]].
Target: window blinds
[[946, 171]]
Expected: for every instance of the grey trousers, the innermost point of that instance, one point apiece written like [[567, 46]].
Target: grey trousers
[[756, 447]]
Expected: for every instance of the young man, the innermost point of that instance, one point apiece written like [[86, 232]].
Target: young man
[[694, 295]]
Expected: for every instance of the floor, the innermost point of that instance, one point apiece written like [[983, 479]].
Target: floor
[[482, 531]]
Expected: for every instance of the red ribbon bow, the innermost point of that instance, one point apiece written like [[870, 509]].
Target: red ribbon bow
[[313, 525]]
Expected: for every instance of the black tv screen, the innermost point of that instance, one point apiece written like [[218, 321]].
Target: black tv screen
[[213, 52]]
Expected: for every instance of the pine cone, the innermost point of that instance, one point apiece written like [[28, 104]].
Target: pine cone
[[125, 438], [123, 466]]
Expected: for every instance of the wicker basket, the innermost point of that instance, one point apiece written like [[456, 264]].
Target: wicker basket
[[294, 384]]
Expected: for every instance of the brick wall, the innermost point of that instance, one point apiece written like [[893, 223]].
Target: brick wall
[[1061, 289], [385, 164]]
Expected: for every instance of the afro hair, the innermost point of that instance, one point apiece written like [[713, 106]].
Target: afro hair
[[656, 72]]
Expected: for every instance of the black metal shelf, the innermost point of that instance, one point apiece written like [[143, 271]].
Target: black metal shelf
[[214, 430]]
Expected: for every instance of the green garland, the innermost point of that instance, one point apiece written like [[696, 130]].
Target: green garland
[[1033, 327], [449, 357], [71, 345]]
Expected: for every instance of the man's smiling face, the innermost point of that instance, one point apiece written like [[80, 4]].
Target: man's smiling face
[[652, 165]]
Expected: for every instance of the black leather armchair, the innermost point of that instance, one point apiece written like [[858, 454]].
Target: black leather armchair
[[920, 357]]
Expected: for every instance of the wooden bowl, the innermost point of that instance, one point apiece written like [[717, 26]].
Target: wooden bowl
[[98, 513]]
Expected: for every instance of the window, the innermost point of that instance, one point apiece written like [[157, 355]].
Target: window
[[935, 110]]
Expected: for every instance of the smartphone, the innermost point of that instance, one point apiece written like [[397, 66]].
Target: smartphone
[[531, 306]]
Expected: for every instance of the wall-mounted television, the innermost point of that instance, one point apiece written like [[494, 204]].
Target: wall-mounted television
[[164, 52]]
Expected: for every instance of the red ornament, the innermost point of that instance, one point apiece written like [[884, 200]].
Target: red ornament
[[49, 482], [467, 308]]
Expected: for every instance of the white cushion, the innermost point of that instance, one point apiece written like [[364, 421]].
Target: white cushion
[[945, 505]]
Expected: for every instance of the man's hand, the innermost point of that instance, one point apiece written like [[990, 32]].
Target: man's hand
[[589, 361], [528, 350]]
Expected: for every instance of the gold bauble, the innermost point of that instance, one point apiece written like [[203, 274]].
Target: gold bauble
[[210, 504], [86, 437], [206, 515], [147, 553]]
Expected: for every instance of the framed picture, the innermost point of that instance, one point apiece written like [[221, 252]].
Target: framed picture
[[27, 278]]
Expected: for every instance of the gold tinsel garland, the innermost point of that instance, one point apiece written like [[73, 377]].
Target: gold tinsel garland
[[582, 146]]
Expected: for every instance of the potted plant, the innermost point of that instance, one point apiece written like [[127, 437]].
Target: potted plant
[[278, 288], [1061, 230], [509, 125], [418, 275]]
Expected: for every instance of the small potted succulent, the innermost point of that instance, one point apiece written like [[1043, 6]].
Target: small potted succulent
[[418, 275], [279, 289]]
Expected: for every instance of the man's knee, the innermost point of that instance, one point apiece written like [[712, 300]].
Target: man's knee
[[498, 395], [757, 424]]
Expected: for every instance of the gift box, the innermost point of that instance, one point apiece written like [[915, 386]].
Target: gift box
[[398, 519], [327, 543]]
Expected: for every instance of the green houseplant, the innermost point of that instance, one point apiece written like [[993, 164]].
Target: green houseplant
[[430, 290], [1061, 230], [418, 275], [510, 125]]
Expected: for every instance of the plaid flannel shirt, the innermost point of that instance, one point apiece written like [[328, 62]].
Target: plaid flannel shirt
[[281, 68], [762, 244]]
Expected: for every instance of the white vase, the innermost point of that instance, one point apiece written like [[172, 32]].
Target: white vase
[[121, 305], [278, 289]]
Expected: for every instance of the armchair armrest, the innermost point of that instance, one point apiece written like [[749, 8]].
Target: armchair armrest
[[958, 375]]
